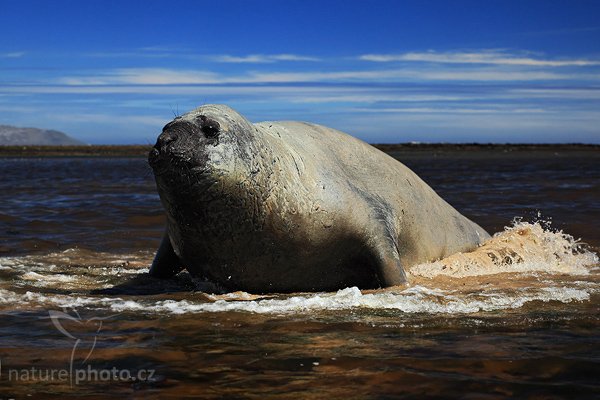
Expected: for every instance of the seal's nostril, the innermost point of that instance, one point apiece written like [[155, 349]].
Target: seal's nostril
[[165, 138], [154, 155]]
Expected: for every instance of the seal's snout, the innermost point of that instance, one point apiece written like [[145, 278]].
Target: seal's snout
[[169, 135], [163, 146], [185, 141]]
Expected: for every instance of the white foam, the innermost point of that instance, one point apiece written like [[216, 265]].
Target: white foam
[[416, 299], [76, 269], [49, 278], [413, 300], [9, 297], [126, 271]]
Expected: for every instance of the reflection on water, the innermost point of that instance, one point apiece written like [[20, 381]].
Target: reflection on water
[[518, 317]]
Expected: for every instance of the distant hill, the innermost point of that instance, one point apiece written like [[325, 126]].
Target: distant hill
[[15, 136]]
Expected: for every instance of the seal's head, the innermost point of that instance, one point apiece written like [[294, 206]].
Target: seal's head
[[205, 160], [203, 141], [212, 177]]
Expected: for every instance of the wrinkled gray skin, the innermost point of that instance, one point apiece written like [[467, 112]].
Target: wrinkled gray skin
[[292, 206]]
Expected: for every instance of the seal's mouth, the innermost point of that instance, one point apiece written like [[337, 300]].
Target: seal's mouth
[[160, 161], [177, 165], [164, 161]]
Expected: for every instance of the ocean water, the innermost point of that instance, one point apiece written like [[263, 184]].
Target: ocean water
[[517, 318]]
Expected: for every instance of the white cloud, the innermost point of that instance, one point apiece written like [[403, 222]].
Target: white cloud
[[442, 110], [109, 118], [261, 58], [17, 109], [144, 76], [146, 52], [494, 57], [375, 95], [190, 54], [559, 93], [180, 77], [14, 54], [481, 124], [163, 76], [492, 75], [294, 57], [129, 54]]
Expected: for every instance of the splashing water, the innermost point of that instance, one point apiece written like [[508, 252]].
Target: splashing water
[[522, 264], [521, 248]]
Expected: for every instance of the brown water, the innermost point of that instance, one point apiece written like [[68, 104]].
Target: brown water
[[518, 318]]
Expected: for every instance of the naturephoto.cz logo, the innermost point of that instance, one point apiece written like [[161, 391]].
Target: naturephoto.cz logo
[[77, 371]]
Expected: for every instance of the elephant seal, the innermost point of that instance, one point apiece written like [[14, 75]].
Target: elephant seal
[[293, 206]]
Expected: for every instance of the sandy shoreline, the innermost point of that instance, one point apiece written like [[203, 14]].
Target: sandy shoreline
[[405, 148]]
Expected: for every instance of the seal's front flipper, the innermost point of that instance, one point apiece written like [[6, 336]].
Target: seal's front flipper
[[389, 268], [166, 263]]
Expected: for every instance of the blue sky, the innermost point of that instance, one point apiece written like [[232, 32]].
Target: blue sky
[[385, 71]]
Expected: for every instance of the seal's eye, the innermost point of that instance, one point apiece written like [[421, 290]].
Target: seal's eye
[[208, 126]]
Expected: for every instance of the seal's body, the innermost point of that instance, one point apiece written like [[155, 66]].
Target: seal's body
[[291, 206]]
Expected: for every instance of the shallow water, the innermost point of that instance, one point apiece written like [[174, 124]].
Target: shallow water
[[519, 317]]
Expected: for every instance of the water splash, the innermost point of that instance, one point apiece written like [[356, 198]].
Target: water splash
[[521, 248], [524, 263]]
